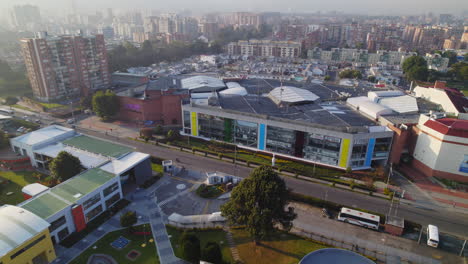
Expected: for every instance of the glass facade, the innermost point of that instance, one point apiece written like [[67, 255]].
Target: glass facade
[[187, 126], [111, 189], [280, 140], [321, 148], [245, 133], [382, 147], [359, 153], [211, 126], [93, 213]]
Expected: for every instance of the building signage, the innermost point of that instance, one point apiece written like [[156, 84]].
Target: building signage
[[464, 165]]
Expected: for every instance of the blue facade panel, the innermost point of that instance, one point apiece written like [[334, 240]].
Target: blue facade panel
[[261, 136], [370, 152]]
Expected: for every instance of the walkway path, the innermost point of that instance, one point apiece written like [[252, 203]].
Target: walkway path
[[161, 238], [232, 245]]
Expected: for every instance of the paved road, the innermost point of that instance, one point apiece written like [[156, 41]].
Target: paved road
[[449, 222]]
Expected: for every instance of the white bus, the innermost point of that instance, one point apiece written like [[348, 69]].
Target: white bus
[[432, 236], [359, 218], [6, 111]]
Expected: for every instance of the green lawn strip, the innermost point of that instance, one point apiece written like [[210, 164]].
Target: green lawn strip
[[205, 236], [280, 248], [14, 181], [51, 105], [103, 246], [23, 107], [23, 123]]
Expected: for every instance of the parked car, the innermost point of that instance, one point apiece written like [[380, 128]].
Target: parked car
[[70, 121], [21, 129]]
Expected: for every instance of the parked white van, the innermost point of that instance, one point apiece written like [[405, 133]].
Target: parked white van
[[432, 236]]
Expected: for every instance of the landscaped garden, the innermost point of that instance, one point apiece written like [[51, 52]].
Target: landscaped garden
[[11, 183], [209, 191], [281, 248], [140, 247], [212, 235]]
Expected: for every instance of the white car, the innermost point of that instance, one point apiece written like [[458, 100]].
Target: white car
[[21, 129], [70, 121]]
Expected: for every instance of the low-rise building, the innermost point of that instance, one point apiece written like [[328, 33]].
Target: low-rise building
[[265, 48], [24, 237]]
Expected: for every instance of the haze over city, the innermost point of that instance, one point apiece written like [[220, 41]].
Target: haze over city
[[222, 132], [366, 7]]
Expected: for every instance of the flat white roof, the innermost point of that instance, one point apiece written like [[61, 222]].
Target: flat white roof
[[368, 107], [291, 94], [42, 134], [3, 117], [401, 104], [123, 164], [196, 219], [34, 189], [17, 226], [201, 81], [88, 159]]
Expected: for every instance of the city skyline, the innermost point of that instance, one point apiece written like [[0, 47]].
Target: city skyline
[[363, 7]]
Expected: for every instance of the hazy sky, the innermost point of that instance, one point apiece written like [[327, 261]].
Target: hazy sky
[[348, 6]]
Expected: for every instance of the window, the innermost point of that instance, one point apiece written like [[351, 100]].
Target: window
[[93, 213], [57, 223], [112, 200], [245, 133], [211, 126], [63, 233], [111, 189], [322, 148], [280, 140], [91, 201], [30, 245]]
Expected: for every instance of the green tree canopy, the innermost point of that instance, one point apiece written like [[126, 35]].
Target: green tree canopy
[[190, 245], [259, 202], [212, 253], [415, 68], [105, 104], [65, 166], [11, 100], [348, 73], [4, 140], [451, 55]]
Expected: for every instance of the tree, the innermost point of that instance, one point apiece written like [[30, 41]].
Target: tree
[[418, 73], [212, 253], [10, 100], [327, 78], [348, 73], [171, 135], [258, 202], [158, 130], [452, 56], [87, 101], [4, 140], [413, 61], [65, 166], [190, 245], [105, 104], [128, 219], [371, 79]]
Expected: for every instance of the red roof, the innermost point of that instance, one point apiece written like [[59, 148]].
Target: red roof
[[449, 126]]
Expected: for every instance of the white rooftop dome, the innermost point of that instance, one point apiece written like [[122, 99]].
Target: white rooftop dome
[[234, 89], [291, 95], [203, 83], [17, 226]]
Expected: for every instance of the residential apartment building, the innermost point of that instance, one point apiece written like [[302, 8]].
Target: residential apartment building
[[242, 19], [265, 48], [65, 66]]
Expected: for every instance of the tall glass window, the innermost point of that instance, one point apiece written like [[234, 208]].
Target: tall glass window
[[211, 126], [321, 148], [382, 147], [187, 127], [245, 133], [280, 140]]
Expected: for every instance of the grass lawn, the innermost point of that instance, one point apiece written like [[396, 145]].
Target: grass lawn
[[14, 182], [156, 167], [283, 248], [23, 107], [148, 253], [51, 105], [205, 236]]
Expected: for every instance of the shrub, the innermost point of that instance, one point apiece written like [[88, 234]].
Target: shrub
[[220, 156], [333, 184], [212, 253], [386, 191], [248, 163], [190, 246], [128, 219]]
